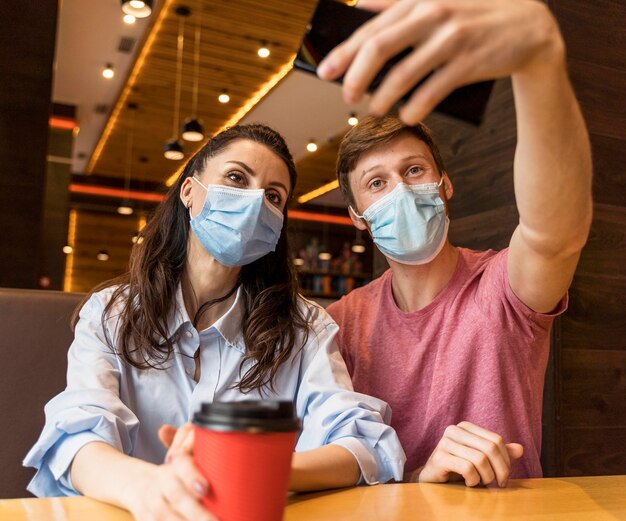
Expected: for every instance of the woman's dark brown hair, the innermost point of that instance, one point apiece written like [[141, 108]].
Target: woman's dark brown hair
[[147, 293]]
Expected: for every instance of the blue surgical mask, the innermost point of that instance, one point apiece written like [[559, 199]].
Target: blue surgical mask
[[237, 226], [409, 224]]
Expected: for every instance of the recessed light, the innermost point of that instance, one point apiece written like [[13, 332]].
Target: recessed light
[[108, 71]]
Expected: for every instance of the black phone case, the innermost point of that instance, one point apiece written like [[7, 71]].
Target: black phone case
[[333, 22]]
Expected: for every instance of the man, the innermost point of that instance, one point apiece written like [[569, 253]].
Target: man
[[455, 340]]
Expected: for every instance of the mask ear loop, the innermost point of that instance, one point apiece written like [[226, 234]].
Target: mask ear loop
[[354, 212]]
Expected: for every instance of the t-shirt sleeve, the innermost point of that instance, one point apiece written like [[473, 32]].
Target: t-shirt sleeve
[[497, 299]]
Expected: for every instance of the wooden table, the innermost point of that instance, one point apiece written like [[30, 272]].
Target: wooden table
[[567, 499]]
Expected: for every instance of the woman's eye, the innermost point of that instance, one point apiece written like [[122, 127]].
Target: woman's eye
[[376, 183], [274, 198], [236, 177], [415, 170]]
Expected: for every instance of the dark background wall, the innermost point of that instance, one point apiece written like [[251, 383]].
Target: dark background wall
[[585, 409], [27, 35]]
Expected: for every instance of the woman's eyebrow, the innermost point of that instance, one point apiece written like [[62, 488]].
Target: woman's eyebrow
[[247, 168]]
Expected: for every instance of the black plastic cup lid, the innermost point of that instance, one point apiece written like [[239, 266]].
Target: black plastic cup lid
[[248, 416]]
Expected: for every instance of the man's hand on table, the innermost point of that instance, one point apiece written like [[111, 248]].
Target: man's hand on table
[[470, 453]]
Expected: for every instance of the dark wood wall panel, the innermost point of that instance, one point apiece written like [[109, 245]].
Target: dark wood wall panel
[[594, 451], [587, 404]]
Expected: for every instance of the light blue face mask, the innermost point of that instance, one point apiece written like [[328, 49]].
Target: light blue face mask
[[237, 226], [409, 224]]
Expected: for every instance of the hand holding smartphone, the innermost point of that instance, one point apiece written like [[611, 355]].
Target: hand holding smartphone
[[334, 22]]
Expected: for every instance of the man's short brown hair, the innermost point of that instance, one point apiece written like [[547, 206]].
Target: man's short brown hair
[[372, 132]]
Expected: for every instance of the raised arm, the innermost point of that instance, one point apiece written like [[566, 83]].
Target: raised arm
[[465, 41], [552, 175]]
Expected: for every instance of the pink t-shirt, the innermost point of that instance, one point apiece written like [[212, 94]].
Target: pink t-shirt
[[475, 353]]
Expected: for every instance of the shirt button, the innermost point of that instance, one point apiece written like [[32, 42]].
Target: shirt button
[[188, 371], [189, 334]]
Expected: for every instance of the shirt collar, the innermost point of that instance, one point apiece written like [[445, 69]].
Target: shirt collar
[[229, 325]]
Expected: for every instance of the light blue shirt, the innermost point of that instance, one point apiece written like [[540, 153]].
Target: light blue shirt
[[110, 401]]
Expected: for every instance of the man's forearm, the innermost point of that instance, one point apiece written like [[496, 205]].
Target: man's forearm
[[553, 156]]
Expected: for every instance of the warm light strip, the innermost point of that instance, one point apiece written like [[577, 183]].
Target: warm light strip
[[319, 217], [115, 192], [121, 102], [69, 259], [246, 107], [142, 222], [318, 191], [63, 123]]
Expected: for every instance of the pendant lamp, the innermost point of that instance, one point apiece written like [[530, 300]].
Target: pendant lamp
[[193, 130], [173, 148], [137, 8], [125, 208]]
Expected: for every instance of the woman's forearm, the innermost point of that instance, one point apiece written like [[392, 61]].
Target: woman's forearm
[[330, 466], [104, 473]]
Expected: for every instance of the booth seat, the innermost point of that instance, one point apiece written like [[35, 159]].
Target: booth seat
[[35, 336]]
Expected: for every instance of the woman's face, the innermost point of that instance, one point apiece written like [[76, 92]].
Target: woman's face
[[241, 164]]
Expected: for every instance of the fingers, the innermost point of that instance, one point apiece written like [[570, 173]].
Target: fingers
[[485, 449], [515, 450], [339, 59], [375, 5], [184, 488], [182, 442], [477, 454], [166, 435]]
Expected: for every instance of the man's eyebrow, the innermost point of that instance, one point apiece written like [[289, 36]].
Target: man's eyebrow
[[407, 158]]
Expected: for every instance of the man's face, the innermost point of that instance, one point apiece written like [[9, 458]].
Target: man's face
[[405, 159]]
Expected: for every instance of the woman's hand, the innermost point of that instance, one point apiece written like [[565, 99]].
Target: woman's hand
[[179, 442], [462, 41], [169, 492]]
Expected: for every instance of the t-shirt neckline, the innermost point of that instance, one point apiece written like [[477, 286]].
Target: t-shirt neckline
[[390, 301]]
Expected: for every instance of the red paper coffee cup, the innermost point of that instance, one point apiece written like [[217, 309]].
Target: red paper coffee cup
[[244, 450]]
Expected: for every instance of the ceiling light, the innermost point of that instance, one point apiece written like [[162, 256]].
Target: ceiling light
[[173, 150], [358, 248], [192, 130], [223, 97], [129, 19], [353, 120], [67, 250], [324, 256], [125, 209], [298, 261], [137, 8], [311, 146], [103, 255], [137, 239], [263, 51], [108, 71]]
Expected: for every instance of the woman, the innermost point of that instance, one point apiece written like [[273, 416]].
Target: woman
[[208, 311]]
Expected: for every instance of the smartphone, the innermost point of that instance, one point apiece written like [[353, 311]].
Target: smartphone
[[333, 22]]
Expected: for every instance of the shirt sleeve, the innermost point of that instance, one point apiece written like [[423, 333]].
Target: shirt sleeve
[[496, 298], [88, 410], [332, 413]]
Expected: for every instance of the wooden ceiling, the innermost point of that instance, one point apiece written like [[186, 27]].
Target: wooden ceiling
[[231, 33]]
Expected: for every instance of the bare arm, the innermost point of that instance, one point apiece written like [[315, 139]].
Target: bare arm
[[552, 175], [468, 41], [327, 467], [330, 466], [148, 491]]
